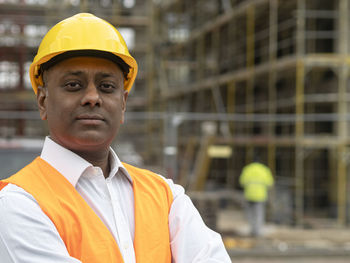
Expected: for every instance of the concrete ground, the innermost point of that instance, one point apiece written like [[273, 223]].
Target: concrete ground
[[293, 260], [282, 243]]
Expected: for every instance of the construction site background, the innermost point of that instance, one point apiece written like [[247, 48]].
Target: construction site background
[[219, 82]]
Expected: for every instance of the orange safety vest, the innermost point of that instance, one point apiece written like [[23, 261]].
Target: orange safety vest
[[84, 234]]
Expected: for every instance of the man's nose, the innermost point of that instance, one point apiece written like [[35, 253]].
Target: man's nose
[[91, 96]]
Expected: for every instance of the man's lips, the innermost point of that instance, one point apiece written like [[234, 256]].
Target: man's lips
[[90, 118]]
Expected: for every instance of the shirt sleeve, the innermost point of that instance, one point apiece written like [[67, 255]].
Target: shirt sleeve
[[191, 240], [26, 233]]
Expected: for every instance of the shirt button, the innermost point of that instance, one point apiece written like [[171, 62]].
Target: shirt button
[[126, 246]]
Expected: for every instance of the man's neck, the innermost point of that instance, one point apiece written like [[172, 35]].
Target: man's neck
[[98, 156]]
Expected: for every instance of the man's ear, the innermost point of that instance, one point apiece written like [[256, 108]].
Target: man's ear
[[125, 98], [41, 97]]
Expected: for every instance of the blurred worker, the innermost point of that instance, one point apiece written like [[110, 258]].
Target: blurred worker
[[256, 178], [77, 202]]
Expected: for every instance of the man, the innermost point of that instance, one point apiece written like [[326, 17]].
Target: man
[[77, 202], [256, 178]]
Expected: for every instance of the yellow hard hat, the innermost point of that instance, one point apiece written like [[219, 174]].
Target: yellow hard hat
[[78, 33]]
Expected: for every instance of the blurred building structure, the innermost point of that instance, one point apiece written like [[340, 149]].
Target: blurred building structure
[[273, 76]]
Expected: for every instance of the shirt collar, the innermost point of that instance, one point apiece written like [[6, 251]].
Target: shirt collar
[[116, 164], [71, 165]]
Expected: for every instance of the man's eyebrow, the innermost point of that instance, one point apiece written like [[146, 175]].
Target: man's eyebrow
[[107, 75], [102, 74], [74, 73]]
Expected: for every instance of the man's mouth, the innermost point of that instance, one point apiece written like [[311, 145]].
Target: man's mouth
[[90, 119]]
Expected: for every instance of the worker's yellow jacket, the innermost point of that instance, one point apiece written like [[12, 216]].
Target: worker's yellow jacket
[[84, 234], [256, 178]]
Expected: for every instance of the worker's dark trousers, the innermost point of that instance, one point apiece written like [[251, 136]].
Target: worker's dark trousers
[[256, 217]]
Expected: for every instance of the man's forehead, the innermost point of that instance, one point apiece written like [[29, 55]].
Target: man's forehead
[[83, 64]]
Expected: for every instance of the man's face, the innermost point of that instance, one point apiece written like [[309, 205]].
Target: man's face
[[84, 103]]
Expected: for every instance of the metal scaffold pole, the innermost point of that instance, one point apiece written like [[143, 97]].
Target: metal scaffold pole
[[272, 81], [299, 111], [342, 110], [299, 151], [250, 34]]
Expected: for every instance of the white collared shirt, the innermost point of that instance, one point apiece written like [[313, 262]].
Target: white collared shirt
[[28, 235]]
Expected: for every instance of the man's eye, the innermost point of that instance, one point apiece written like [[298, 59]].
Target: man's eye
[[106, 87], [72, 86]]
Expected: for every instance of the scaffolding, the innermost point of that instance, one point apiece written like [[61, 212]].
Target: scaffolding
[[276, 74]]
